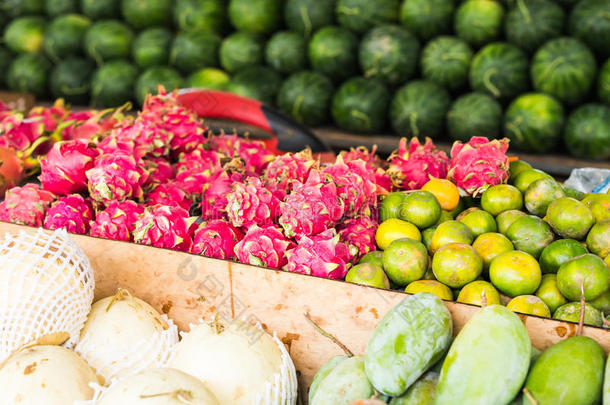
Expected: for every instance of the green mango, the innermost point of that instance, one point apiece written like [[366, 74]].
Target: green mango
[[422, 392], [410, 338], [342, 383], [570, 372], [488, 360], [323, 373], [606, 393]]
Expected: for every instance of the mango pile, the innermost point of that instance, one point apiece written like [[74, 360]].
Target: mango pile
[[534, 245], [411, 359]]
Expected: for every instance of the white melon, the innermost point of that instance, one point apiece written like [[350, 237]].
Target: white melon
[[158, 386], [124, 335], [50, 375], [239, 362]]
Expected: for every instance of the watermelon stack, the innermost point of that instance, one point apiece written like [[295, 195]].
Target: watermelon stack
[[428, 68]]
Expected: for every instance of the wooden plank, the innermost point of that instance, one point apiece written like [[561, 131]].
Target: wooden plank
[[556, 164], [189, 287], [17, 101]]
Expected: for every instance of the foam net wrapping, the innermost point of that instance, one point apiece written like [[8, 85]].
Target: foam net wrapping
[[284, 388], [112, 362], [46, 288]]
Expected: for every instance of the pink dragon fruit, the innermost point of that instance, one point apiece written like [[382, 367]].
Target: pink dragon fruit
[[216, 239], [87, 125], [355, 185], [62, 170], [478, 164], [359, 235], [361, 152], [251, 203], [412, 165], [153, 139], [224, 144], [373, 163], [255, 155], [159, 170], [321, 255], [169, 194], [290, 167], [264, 246], [25, 205], [117, 221], [51, 116], [19, 133], [188, 131], [115, 144], [165, 111], [115, 177], [72, 213], [166, 227], [311, 207], [214, 203], [195, 169]]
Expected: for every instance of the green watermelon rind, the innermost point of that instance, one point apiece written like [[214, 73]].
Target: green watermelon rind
[[361, 15], [389, 53], [108, 39], [446, 61], [257, 82], [564, 68], [55, 8], [333, 52], [427, 18], [474, 114], [257, 16], [500, 70], [151, 78], [286, 52], [63, 36], [193, 50], [534, 122], [112, 84], [28, 73], [146, 14], [208, 78], [306, 96], [151, 47], [589, 21], [603, 85], [25, 34], [360, 105], [529, 24], [70, 79], [587, 132], [479, 22], [200, 15], [100, 9], [240, 50], [419, 109], [307, 16]]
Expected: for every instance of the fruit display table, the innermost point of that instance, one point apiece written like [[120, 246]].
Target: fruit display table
[[189, 287]]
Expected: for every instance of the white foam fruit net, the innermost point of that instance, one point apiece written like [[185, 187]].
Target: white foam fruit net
[[283, 390], [46, 289], [112, 362]]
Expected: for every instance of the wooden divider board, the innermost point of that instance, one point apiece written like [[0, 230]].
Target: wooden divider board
[[189, 287]]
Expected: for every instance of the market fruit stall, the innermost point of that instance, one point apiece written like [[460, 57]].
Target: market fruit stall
[[226, 228]]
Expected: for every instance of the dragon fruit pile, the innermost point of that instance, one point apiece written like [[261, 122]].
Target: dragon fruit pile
[[159, 178]]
